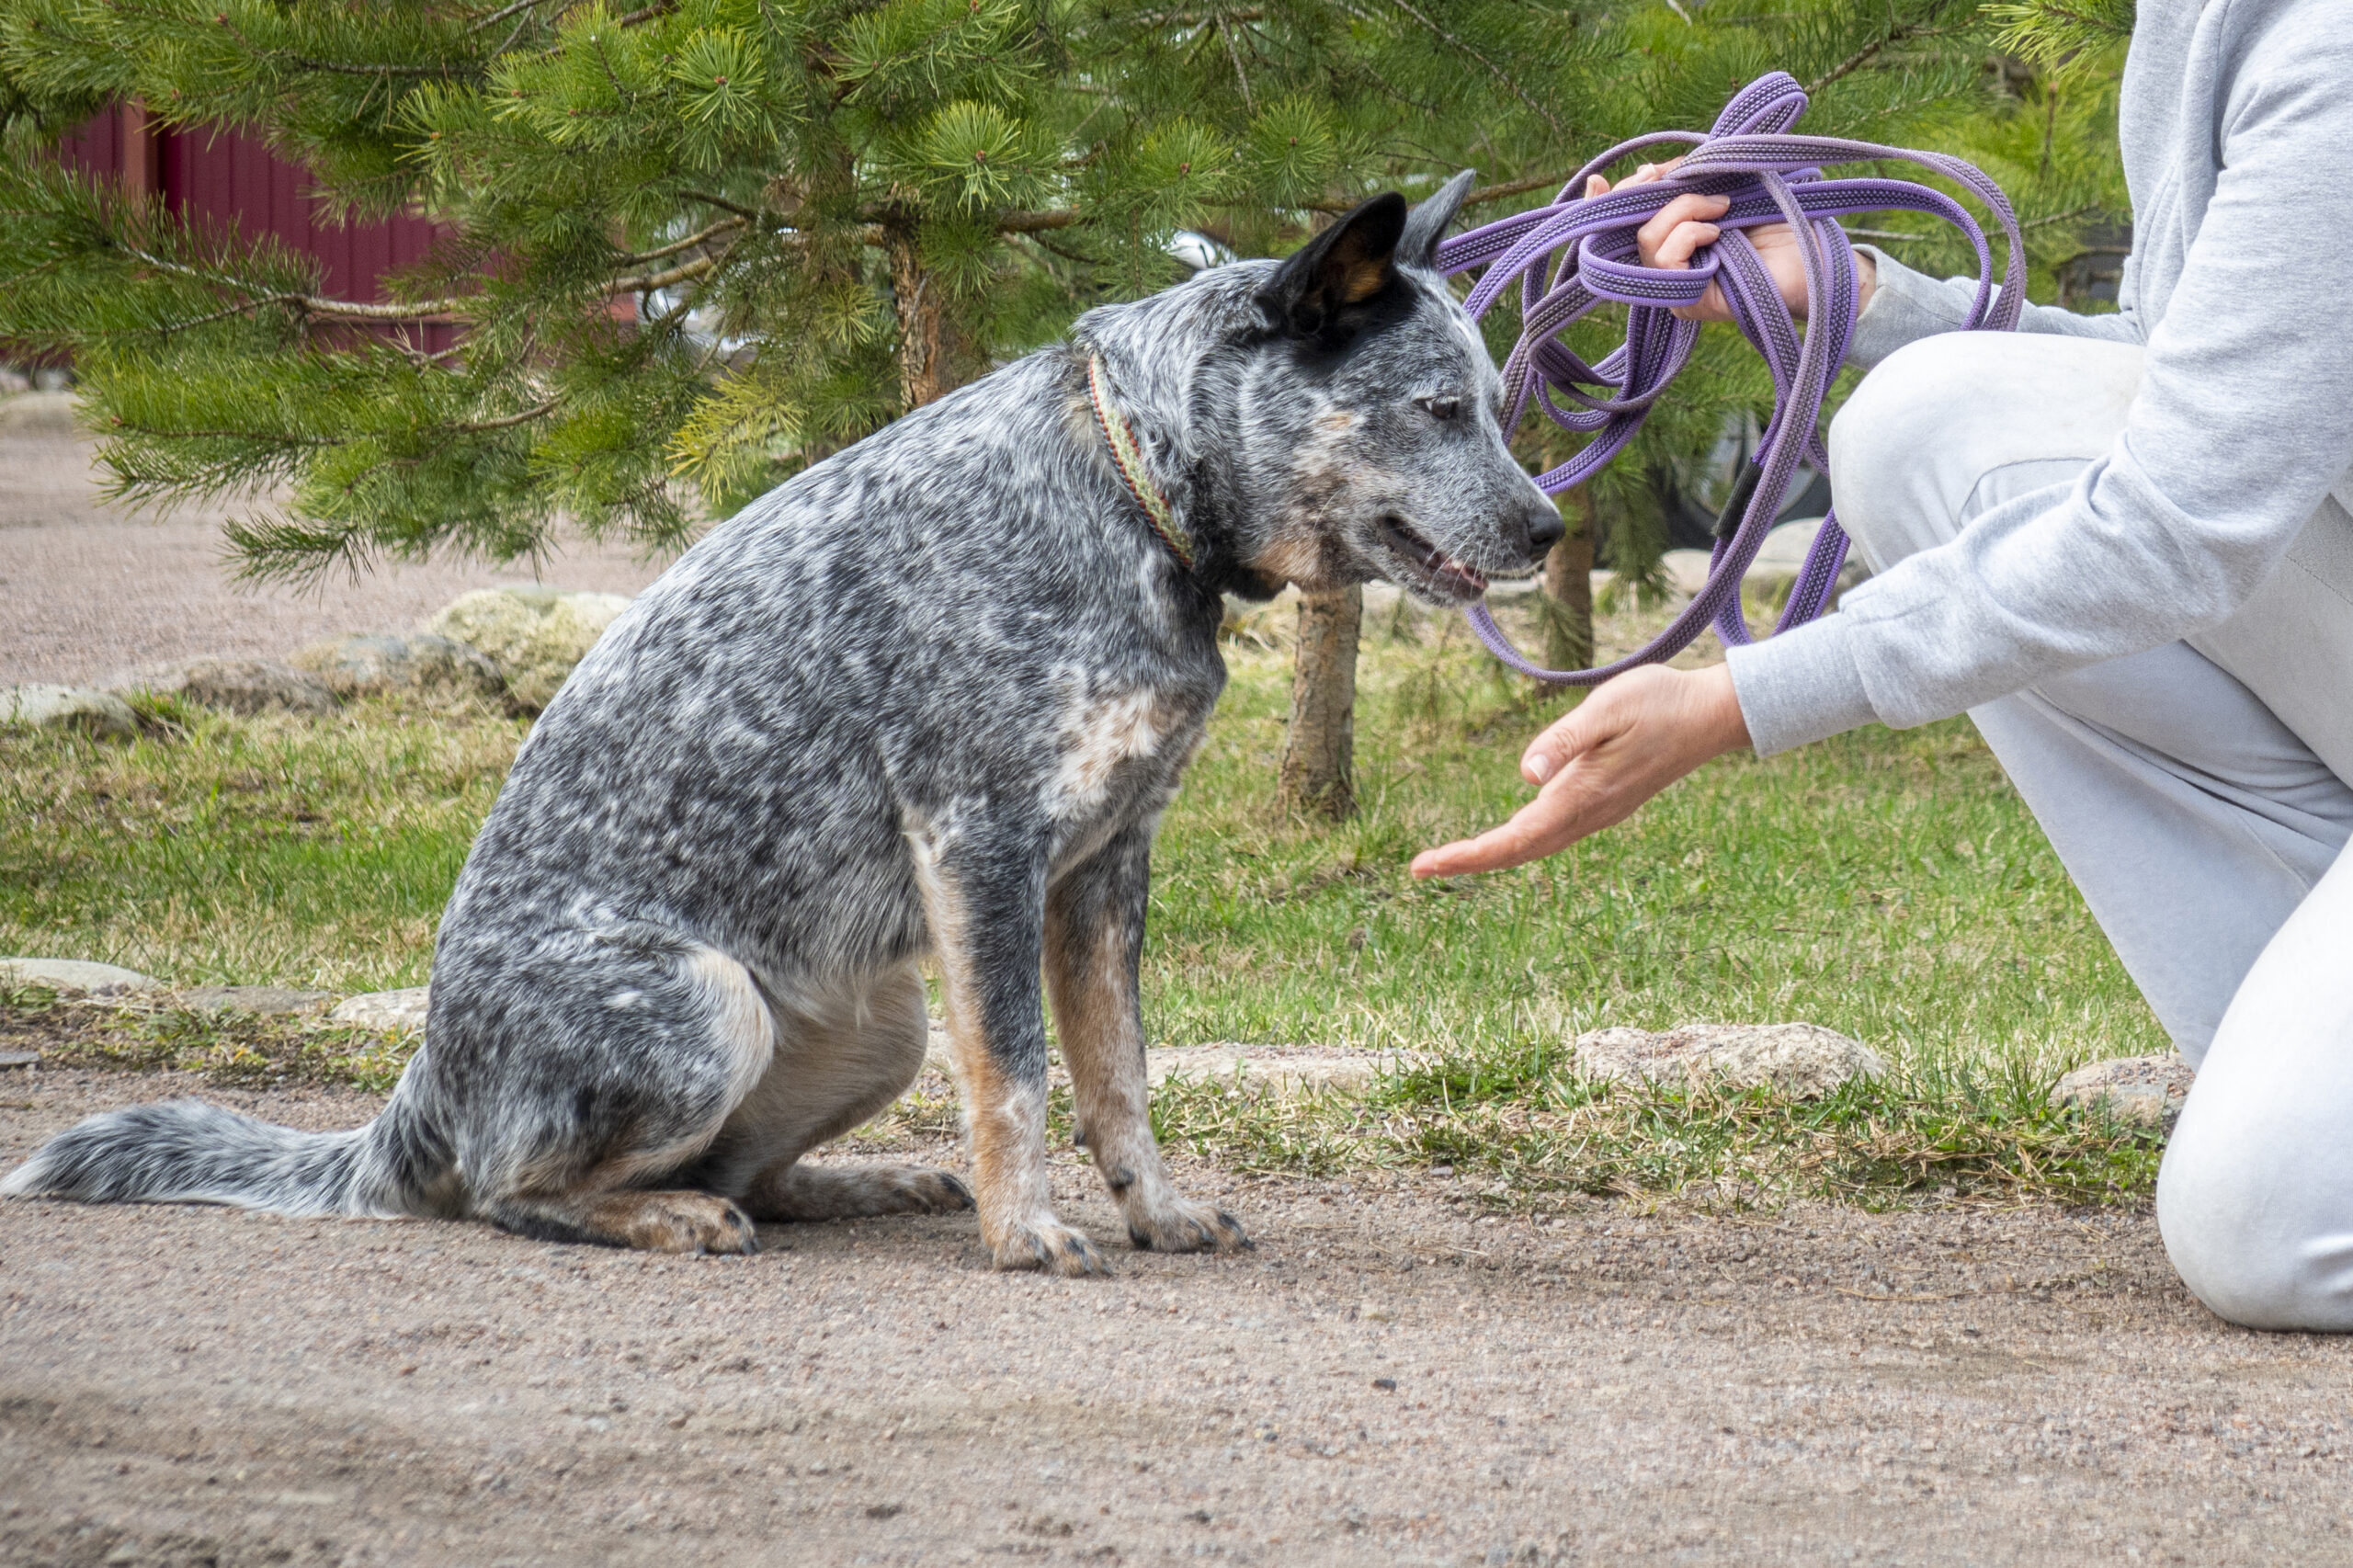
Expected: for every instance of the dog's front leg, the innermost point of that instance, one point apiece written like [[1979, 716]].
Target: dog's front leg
[[1095, 917], [985, 902]]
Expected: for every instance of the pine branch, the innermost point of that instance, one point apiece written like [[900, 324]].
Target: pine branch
[[1497, 72], [725, 225], [509, 422], [1487, 193], [1036, 223]]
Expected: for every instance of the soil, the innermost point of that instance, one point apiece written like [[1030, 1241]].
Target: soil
[[88, 590], [1396, 1375]]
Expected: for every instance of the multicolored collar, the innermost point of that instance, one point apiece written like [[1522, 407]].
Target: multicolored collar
[[1130, 462]]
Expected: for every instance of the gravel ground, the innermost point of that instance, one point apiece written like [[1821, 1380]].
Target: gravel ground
[[87, 590], [1390, 1378]]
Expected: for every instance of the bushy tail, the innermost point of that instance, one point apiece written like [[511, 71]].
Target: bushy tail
[[187, 1152]]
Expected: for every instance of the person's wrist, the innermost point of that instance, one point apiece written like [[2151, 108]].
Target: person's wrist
[[1725, 726], [1866, 280]]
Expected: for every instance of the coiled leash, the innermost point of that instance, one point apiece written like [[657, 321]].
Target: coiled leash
[[1580, 253]]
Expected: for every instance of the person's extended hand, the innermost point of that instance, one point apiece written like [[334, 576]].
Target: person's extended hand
[[1631, 739], [1684, 224]]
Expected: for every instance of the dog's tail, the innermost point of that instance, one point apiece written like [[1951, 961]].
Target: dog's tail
[[187, 1152]]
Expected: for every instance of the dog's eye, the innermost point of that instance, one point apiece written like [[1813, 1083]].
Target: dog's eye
[[1440, 407]]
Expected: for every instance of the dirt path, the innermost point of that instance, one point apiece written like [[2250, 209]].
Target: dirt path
[[185, 1386], [86, 590]]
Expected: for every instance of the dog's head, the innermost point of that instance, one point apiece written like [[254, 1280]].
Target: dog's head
[[1367, 442]]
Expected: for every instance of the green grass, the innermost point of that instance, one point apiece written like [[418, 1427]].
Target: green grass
[[1891, 886]]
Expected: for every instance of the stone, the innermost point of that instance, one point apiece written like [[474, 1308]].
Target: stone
[[534, 634], [266, 1001], [244, 686], [2145, 1090], [68, 706], [1801, 1060], [19, 1059], [387, 1012], [373, 664], [1782, 556], [40, 414], [76, 977], [1775, 569], [1685, 570]]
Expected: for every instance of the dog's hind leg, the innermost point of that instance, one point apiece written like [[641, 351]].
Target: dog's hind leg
[[1095, 917], [613, 1061], [834, 1070], [983, 896]]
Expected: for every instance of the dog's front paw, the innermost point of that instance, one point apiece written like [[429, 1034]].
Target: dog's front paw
[[1048, 1244], [683, 1221], [1179, 1224]]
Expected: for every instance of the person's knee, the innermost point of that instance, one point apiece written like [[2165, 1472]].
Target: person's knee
[[1884, 442], [2247, 1223]]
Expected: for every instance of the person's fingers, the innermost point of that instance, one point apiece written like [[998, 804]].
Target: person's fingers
[[1684, 242], [1652, 237], [1575, 732], [1544, 825], [1650, 171], [1595, 186]]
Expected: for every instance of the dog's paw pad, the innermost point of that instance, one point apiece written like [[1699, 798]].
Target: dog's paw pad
[[1051, 1247], [1187, 1226]]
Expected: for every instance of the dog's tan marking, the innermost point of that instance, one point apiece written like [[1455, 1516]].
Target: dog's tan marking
[[1004, 1120], [1363, 280], [1098, 733], [1095, 1014], [1298, 558], [649, 1222], [739, 1018]]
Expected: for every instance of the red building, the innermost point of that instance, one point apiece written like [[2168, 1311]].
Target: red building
[[236, 180]]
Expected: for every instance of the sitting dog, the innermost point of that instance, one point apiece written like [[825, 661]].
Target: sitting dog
[[927, 699]]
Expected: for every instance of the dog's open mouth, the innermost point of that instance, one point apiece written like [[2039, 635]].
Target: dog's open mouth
[[1441, 571]]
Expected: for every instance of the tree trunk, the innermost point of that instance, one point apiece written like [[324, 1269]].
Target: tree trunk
[[1319, 754], [1568, 590], [924, 370]]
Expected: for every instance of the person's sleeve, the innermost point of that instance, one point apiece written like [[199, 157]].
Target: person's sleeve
[[2242, 424], [1907, 306]]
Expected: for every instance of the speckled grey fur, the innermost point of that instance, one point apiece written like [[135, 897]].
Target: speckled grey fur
[[926, 700]]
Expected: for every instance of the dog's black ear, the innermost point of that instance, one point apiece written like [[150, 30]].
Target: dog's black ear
[[1346, 264], [1427, 223]]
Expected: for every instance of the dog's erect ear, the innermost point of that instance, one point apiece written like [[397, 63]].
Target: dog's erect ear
[[1417, 247], [1346, 264]]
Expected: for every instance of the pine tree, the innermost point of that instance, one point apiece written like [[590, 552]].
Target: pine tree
[[691, 247]]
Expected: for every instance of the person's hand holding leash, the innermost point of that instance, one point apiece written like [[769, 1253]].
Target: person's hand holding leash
[[1631, 739], [1686, 224]]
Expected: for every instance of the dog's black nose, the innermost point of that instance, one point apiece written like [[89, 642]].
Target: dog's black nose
[[1544, 528]]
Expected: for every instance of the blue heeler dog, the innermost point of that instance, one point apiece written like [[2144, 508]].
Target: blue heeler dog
[[927, 699]]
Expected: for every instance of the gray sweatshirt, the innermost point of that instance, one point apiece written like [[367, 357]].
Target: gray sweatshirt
[[2236, 123]]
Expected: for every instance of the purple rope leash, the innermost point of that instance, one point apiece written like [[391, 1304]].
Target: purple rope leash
[[1579, 253]]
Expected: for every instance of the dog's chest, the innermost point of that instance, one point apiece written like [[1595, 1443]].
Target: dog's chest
[[1112, 747]]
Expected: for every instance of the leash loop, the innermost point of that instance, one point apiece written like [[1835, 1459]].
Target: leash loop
[[1580, 253]]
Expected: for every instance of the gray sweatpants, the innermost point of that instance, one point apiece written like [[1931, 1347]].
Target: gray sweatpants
[[2198, 794]]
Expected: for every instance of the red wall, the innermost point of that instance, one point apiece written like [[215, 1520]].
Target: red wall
[[236, 180]]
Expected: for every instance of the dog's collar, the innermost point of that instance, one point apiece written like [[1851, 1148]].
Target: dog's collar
[[1130, 462]]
